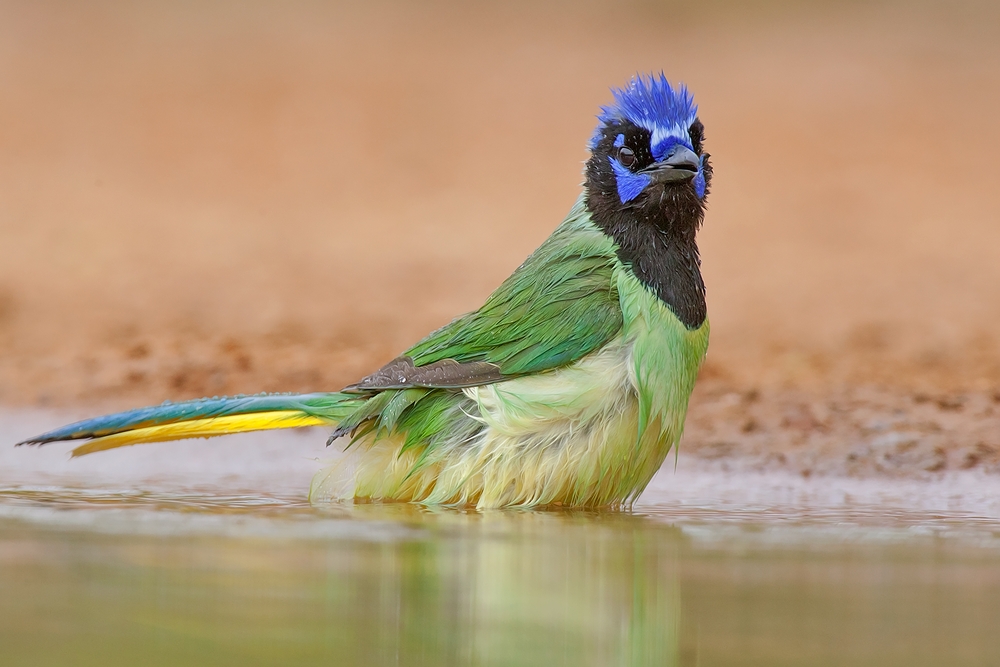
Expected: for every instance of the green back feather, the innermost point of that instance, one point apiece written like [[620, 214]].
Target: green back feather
[[557, 307]]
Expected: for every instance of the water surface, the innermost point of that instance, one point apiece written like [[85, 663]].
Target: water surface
[[152, 562]]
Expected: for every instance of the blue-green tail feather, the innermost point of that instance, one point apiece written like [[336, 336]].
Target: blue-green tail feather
[[328, 407]]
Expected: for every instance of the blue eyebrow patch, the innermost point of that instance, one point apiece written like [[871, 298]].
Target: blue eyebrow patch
[[629, 184], [619, 141], [665, 144]]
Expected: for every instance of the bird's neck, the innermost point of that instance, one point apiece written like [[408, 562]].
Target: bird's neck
[[658, 244]]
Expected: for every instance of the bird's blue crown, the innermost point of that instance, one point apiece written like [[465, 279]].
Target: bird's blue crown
[[652, 103]]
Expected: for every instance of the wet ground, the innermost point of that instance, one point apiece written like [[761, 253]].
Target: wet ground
[[195, 200]]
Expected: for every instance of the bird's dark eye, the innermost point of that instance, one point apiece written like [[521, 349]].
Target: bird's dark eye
[[626, 156], [697, 134]]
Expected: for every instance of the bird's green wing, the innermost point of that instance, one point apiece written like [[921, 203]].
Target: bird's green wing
[[557, 307]]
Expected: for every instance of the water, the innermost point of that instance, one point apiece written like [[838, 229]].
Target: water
[[207, 554]]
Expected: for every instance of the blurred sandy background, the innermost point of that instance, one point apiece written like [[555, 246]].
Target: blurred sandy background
[[208, 198]]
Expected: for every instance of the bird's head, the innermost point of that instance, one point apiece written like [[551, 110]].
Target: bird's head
[[647, 161]]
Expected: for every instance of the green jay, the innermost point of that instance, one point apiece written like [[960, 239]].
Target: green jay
[[570, 384]]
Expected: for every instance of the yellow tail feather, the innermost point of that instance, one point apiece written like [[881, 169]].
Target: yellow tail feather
[[201, 428]]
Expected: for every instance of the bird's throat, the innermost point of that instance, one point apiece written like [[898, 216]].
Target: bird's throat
[[658, 245]]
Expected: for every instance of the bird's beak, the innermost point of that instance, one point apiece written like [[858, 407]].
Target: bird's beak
[[680, 166]]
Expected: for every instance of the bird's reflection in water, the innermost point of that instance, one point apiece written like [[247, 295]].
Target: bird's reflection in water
[[523, 588], [172, 582]]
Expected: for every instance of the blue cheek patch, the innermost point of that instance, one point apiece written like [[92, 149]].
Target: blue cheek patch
[[699, 180], [629, 184]]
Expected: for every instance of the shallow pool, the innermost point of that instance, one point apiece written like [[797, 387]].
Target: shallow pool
[[108, 569]]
